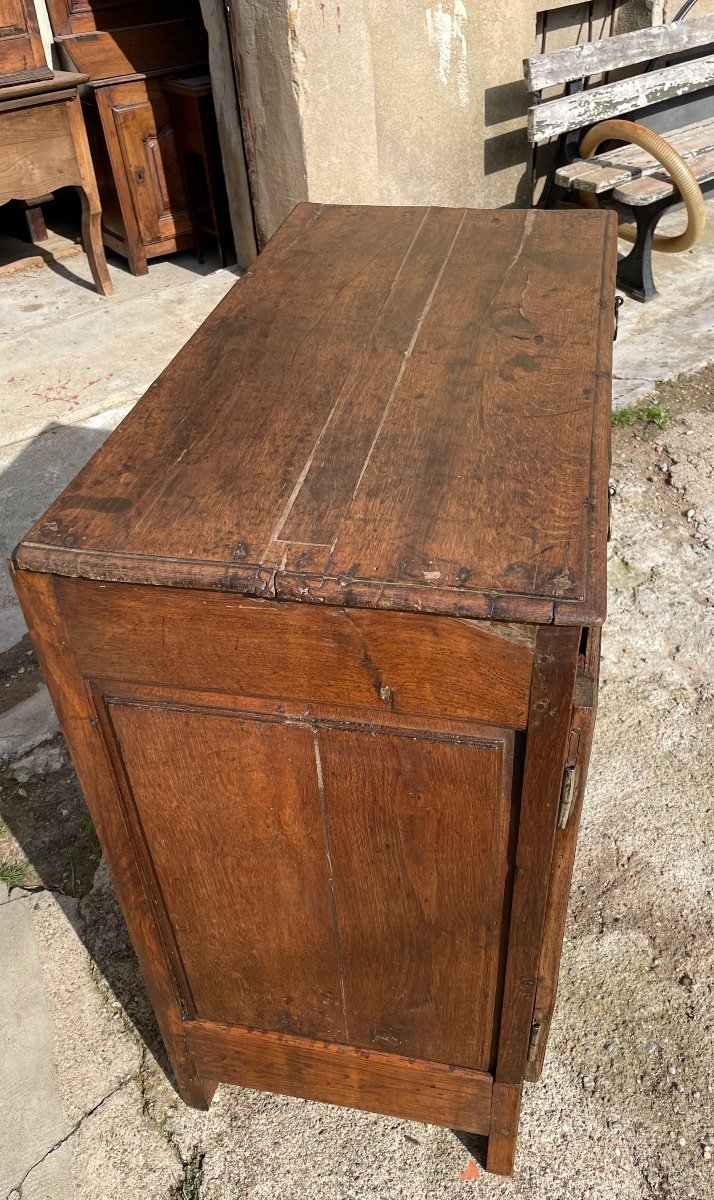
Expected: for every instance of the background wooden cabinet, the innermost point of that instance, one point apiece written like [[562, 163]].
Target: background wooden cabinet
[[143, 199], [22, 57], [83, 16], [145, 171]]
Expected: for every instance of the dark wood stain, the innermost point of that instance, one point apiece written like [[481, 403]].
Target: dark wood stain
[[387, 1083], [320, 622], [438, 399]]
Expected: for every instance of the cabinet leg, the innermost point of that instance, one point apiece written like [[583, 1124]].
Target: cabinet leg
[[196, 1091], [93, 244], [138, 263], [502, 1136], [36, 223]]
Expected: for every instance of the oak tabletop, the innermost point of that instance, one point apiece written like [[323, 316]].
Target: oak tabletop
[[398, 408]]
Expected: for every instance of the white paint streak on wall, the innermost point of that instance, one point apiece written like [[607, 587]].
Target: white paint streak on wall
[[446, 30]]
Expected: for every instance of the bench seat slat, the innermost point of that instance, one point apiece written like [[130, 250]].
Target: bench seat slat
[[650, 188], [612, 99], [624, 50], [607, 170]]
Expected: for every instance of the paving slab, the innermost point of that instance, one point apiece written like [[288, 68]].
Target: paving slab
[[33, 1118], [27, 725], [32, 474], [76, 353], [673, 332]]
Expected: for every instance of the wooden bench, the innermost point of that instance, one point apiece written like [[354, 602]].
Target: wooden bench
[[665, 99]]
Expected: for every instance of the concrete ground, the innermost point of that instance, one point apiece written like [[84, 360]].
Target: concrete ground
[[625, 1109]]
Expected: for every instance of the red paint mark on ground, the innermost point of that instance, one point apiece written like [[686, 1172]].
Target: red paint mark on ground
[[471, 1171], [59, 393]]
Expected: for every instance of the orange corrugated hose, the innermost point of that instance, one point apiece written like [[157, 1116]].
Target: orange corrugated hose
[[674, 165]]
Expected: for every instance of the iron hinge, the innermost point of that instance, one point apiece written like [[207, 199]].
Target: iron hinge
[[568, 792], [618, 305], [536, 1029]]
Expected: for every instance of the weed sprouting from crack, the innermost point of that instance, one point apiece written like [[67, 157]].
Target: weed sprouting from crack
[[190, 1186]]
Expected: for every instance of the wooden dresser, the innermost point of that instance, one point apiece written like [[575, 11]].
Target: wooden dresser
[[321, 624], [144, 208]]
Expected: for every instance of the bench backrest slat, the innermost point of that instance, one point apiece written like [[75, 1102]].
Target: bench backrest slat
[[593, 58], [613, 99]]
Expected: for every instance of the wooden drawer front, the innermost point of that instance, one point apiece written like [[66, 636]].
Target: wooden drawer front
[[148, 149], [37, 153], [206, 641], [328, 882]]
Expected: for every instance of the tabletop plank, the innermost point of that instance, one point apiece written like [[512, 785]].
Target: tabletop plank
[[396, 408]]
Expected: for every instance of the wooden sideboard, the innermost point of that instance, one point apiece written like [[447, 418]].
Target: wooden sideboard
[[144, 207], [321, 624], [43, 146]]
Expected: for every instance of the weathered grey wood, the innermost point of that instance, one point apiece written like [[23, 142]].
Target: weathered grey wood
[[613, 99], [605, 171], [591, 58], [658, 186], [230, 133]]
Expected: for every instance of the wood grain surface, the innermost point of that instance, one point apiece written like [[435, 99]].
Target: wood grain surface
[[83, 734], [392, 662], [547, 745], [419, 855], [397, 408], [386, 1083], [579, 744], [343, 883], [243, 874], [136, 50], [624, 50]]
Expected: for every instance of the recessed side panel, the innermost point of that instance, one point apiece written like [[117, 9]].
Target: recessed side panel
[[230, 811], [419, 848]]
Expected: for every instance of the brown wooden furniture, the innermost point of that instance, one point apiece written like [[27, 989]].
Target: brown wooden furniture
[[84, 16], [193, 121], [22, 57], [43, 146], [145, 212], [321, 622]]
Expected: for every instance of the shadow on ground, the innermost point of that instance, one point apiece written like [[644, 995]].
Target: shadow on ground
[[47, 839]]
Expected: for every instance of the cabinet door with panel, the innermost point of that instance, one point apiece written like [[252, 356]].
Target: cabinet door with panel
[[141, 118], [140, 142], [361, 873], [22, 57]]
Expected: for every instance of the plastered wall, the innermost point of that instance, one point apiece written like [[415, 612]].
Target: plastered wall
[[397, 101]]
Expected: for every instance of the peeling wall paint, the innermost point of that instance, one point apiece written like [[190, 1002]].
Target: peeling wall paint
[[446, 30]]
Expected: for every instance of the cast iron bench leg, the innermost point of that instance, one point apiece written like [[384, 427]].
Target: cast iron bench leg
[[634, 270]]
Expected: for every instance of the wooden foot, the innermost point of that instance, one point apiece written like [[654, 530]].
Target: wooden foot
[[505, 1111], [35, 223], [138, 264], [197, 1092], [93, 245]]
